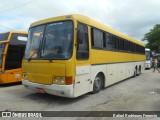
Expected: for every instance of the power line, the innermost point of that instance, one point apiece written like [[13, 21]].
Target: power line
[[6, 27], [17, 6]]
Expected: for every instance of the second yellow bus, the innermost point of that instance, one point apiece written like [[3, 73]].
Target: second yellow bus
[[12, 47]]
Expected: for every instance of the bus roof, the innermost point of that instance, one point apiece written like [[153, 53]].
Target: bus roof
[[88, 21]]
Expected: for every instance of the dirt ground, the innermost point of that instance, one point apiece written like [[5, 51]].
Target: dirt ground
[[141, 93]]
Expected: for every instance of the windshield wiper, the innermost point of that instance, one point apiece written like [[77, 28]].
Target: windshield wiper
[[36, 51], [49, 58]]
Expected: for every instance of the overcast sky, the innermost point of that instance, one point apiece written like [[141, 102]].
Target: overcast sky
[[131, 17]]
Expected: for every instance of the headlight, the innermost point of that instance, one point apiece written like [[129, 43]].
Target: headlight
[[62, 81], [56, 80], [24, 75], [59, 80]]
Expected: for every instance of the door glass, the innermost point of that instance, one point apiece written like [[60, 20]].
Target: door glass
[[4, 36], [82, 42], [2, 46]]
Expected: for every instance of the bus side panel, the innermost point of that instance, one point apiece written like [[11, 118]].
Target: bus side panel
[[111, 75], [115, 72], [3, 78], [95, 69], [82, 80]]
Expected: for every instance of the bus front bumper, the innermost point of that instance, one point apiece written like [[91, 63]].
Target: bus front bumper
[[54, 89]]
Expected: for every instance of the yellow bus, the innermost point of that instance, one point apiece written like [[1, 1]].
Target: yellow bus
[[12, 47], [74, 55]]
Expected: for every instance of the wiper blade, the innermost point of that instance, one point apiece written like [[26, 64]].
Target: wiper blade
[[49, 58], [36, 51]]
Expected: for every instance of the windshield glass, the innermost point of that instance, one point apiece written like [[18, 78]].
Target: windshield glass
[[2, 46], [4, 36], [34, 38], [52, 41], [148, 57]]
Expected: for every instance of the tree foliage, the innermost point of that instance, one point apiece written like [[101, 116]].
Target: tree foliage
[[153, 38]]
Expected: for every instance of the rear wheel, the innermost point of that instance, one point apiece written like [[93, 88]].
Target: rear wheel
[[135, 73], [98, 83], [139, 71]]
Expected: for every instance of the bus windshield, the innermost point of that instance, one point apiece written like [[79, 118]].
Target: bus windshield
[[148, 57], [50, 41], [1, 60], [2, 46], [4, 36]]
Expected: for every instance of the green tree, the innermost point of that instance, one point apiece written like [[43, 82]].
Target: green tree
[[153, 38]]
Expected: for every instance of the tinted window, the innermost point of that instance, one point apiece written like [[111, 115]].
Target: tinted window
[[2, 47], [82, 42], [131, 47], [18, 39], [14, 56], [120, 44], [109, 41], [15, 51], [4, 36], [126, 45], [1, 56], [97, 38]]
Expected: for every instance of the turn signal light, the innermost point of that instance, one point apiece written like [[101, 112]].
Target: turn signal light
[[68, 80]]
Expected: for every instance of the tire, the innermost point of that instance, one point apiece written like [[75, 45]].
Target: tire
[[139, 71], [98, 83], [135, 73]]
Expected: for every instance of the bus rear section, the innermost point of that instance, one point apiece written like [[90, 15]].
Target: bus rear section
[[148, 63], [12, 46]]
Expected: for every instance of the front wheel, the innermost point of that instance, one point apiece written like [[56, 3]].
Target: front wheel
[[97, 85]]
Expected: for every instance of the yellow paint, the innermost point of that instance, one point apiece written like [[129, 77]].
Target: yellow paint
[[99, 56], [9, 76]]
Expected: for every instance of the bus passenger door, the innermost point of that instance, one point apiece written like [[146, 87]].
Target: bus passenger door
[[82, 67]]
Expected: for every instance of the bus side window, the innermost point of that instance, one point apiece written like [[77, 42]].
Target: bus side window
[[82, 42]]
